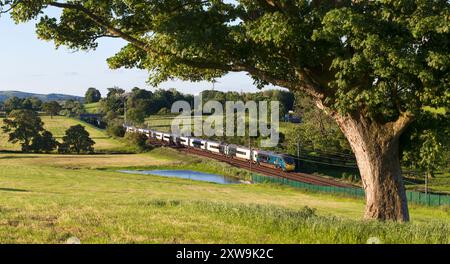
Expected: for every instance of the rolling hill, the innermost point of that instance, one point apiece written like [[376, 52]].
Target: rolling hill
[[4, 95]]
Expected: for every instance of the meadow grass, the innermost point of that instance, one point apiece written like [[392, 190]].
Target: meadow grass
[[49, 198], [440, 183], [92, 108]]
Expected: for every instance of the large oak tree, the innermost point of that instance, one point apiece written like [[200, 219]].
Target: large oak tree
[[370, 65]]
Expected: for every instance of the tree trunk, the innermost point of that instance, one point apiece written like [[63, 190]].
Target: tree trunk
[[376, 147]]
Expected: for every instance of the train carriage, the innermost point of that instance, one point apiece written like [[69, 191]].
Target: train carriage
[[197, 143], [184, 141], [228, 150], [158, 135], [243, 153], [260, 157], [167, 138], [213, 146]]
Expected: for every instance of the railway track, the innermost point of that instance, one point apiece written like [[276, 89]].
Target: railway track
[[295, 176]]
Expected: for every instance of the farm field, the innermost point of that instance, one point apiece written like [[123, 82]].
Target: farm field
[[59, 124], [92, 108], [49, 198]]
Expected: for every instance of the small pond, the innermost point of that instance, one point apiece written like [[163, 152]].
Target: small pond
[[187, 174]]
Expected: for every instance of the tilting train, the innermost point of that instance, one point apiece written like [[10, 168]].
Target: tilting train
[[262, 158]]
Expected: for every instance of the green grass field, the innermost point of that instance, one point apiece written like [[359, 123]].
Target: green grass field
[[49, 198], [440, 183], [92, 108], [59, 124]]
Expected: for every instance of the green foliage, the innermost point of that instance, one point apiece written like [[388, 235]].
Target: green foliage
[[114, 101], [136, 116], [115, 129], [44, 143], [140, 103], [23, 126], [52, 108], [77, 140], [137, 140], [73, 108], [285, 98], [317, 130], [426, 144], [92, 96], [15, 103], [385, 57]]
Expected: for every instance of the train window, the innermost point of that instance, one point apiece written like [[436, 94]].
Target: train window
[[264, 158], [288, 160], [241, 152], [197, 143]]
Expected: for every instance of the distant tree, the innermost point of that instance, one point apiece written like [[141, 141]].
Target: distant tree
[[13, 103], [92, 96], [63, 148], [23, 126], [36, 104], [27, 103], [52, 108], [78, 140], [114, 101], [44, 142], [73, 108]]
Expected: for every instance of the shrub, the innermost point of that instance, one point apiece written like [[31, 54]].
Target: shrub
[[115, 129], [138, 140]]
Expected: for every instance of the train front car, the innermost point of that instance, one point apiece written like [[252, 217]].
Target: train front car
[[289, 163], [274, 160]]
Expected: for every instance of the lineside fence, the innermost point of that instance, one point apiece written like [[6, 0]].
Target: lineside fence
[[413, 197]]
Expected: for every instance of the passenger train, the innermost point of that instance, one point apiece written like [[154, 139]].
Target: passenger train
[[262, 158]]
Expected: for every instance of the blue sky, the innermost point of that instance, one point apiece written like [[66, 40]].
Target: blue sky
[[32, 65]]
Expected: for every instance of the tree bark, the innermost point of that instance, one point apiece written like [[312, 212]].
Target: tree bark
[[376, 147]]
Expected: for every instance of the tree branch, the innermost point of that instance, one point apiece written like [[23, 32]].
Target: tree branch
[[98, 20], [11, 7], [402, 123], [305, 83]]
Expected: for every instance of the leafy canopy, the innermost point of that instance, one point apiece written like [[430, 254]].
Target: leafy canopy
[[92, 95], [78, 140], [378, 58], [52, 108]]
